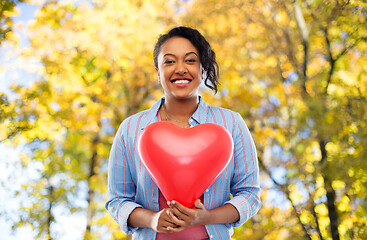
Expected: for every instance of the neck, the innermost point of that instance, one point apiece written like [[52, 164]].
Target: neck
[[181, 109]]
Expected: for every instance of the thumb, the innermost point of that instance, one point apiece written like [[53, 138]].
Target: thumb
[[198, 204]]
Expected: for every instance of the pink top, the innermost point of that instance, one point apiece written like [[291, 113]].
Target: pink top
[[193, 233]]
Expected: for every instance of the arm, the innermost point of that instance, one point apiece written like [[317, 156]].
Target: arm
[[245, 183], [122, 190], [121, 184], [145, 218]]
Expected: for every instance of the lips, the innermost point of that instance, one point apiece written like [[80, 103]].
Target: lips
[[181, 80]]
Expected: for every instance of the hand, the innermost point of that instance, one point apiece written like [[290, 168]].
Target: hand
[[177, 217], [184, 217], [161, 221]]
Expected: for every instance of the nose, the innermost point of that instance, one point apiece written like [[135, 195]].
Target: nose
[[181, 68]]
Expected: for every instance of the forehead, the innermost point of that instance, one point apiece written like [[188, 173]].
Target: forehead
[[177, 46]]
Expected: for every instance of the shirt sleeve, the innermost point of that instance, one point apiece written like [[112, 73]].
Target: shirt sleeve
[[121, 185], [245, 184]]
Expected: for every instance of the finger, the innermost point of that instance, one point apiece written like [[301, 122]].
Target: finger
[[166, 225], [171, 218], [199, 205], [167, 229], [178, 229], [184, 210], [174, 218], [178, 214], [165, 221]]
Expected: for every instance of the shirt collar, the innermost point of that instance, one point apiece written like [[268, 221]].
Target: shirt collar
[[200, 115], [151, 115]]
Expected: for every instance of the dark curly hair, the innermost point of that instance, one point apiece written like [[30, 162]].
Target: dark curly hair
[[206, 54]]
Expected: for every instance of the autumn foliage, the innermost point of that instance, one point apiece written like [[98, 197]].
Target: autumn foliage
[[295, 70]]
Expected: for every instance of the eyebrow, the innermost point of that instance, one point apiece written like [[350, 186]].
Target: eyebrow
[[170, 54]]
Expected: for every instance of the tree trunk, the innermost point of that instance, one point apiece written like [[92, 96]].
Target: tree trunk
[[91, 193], [330, 195], [301, 23], [333, 215], [49, 212]]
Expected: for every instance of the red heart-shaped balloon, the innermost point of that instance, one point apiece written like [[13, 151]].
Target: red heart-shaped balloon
[[185, 162]]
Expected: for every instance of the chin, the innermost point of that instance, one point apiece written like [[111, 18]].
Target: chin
[[185, 96]]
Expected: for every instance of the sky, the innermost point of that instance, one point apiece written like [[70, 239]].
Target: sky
[[9, 73], [8, 159]]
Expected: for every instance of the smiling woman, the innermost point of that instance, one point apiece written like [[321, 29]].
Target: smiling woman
[[182, 57]]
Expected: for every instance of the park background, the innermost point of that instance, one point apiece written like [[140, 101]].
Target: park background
[[71, 71]]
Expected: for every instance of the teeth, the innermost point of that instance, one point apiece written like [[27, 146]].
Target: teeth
[[181, 81]]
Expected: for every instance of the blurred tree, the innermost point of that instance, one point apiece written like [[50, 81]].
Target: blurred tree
[[295, 70], [7, 11]]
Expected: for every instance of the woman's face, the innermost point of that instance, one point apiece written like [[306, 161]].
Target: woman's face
[[179, 68]]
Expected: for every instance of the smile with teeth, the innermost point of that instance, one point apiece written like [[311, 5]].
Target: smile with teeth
[[181, 81]]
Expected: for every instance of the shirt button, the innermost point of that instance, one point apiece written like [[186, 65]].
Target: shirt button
[[211, 236], [191, 120], [207, 190]]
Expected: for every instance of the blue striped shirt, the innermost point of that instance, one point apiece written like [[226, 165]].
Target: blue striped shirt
[[130, 185]]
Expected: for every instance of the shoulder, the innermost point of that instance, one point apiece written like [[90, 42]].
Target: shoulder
[[134, 123], [226, 117], [225, 113], [135, 117], [131, 122], [221, 110]]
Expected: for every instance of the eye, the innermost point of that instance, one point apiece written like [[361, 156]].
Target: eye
[[191, 60], [168, 61]]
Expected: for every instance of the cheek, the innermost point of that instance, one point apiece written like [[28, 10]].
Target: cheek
[[165, 72], [161, 73]]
